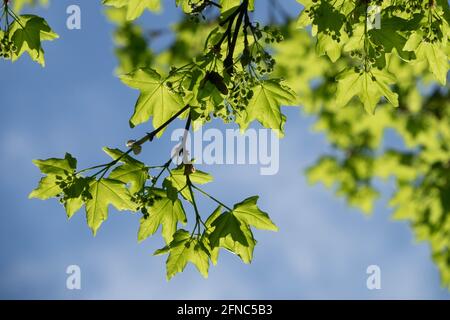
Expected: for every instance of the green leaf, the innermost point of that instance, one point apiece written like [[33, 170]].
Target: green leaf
[[178, 180], [156, 98], [434, 54], [227, 225], [368, 86], [225, 231], [184, 249], [46, 189], [231, 230], [164, 212], [213, 217], [103, 193], [132, 171], [327, 26], [326, 45], [55, 166], [265, 105], [248, 212], [389, 36], [59, 170], [244, 252], [73, 194], [437, 60], [28, 36], [73, 205], [135, 8]]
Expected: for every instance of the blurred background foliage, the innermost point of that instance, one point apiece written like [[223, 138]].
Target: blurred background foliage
[[18, 5], [363, 155]]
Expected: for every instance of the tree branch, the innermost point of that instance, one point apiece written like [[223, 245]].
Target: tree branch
[[148, 137]]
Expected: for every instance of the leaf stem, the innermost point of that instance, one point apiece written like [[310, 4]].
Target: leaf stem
[[212, 198], [164, 168], [198, 217]]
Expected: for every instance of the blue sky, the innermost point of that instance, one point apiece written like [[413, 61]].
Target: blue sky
[[76, 104]]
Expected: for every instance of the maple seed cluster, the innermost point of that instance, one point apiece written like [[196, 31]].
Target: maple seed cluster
[[7, 47]]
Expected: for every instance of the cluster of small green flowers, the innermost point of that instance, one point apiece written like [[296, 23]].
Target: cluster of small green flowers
[[72, 186], [197, 8], [241, 93], [264, 62], [271, 34], [256, 63], [258, 56], [176, 85], [145, 199], [370, 57], [315, 13], [431, 33], [413, 6], [224, 113], [204, 113], [7, 47]]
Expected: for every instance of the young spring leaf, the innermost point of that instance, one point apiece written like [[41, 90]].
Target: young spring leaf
[[46, 189], [103, 193], [27, 34], [131, 171], [227, 225], [156, 98], [248, 212], [50, 186], [368, 86], [184, 249], [166, 213], [73, 205], [244, 252], [434, 54], [390, 38], [231, 230], [265, 105], [55, 166], [327, 24]]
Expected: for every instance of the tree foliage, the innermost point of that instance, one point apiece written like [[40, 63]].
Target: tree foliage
[[361, 83]]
